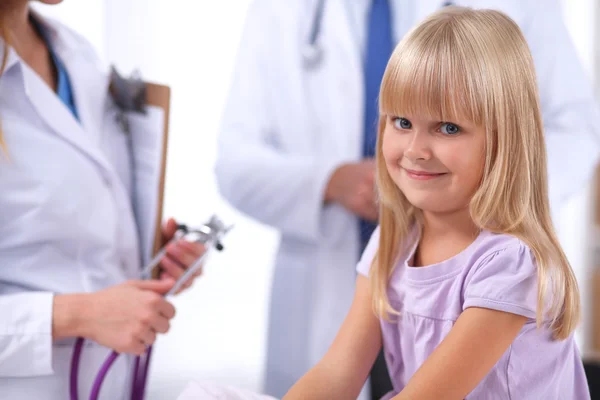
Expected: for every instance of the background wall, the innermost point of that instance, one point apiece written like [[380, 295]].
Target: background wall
[[219, 331], [576, 229]]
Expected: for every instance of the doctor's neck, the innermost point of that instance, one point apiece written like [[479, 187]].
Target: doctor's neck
[[22, 36]]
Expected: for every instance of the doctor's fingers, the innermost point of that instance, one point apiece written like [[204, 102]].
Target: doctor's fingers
[[367, 169], [187, 284], [195, 248], [371, 214], [147, 336], [164, 309], [184, 252], [153, 306], [160, 324], [172, 267], [132, 346], [173, 270], [155, 322], [368, 195], [369, 209]]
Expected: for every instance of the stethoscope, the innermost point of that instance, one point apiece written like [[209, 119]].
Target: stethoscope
[[312, 52], [209, 234]]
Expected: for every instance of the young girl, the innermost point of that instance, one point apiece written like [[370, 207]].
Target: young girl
[[473, 296]]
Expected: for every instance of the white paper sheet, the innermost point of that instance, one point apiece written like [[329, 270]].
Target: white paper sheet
[[147, 146]]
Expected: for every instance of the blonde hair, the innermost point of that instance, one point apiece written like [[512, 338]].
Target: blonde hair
[[4, 35], [7, 9], [475, 64]]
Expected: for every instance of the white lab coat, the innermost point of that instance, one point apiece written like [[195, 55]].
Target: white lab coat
[[285, 129], [66, 220]]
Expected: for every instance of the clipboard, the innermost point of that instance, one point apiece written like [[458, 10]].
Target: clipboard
[[149, 134], [160, 96]]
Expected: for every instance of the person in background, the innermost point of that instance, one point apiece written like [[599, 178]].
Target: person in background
[[298, 138], [69, 245]]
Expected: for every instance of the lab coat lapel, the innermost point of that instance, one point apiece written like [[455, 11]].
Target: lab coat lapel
[[59, 118], [92, 85], [90, 89], [345, 66]]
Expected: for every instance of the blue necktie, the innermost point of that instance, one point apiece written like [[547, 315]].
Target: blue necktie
[[378, 51]]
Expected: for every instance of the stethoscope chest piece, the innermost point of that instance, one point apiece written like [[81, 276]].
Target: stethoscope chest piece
[[312, 55]]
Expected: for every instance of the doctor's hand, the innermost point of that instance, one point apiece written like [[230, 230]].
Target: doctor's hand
[[353, 186], [180, 255], [127, 317]]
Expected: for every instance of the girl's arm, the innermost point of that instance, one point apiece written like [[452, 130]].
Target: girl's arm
[[474, 345], [343, 371]]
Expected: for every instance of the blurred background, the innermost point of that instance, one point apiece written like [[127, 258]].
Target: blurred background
[[219, 332]]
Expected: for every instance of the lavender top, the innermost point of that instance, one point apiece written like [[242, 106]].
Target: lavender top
[[496, 272]]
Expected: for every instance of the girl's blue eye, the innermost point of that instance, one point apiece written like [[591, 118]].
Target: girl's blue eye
[[402, 123], [449, 129]]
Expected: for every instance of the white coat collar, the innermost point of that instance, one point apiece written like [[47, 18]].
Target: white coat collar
[[345, 64], [89, 84]]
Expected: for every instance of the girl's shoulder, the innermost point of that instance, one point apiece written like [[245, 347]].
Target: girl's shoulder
[[493, 242], [364, 264], [500, 250], [502, 275]]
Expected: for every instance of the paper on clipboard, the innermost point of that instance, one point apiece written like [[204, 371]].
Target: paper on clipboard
[[149, 139]]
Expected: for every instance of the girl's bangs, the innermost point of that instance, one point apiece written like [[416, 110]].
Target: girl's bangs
[[430, 79]]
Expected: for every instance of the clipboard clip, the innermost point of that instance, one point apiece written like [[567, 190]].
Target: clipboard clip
[[129, 95]]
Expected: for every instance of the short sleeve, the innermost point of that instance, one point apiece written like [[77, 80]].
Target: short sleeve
[[506, 280], [364, 264]]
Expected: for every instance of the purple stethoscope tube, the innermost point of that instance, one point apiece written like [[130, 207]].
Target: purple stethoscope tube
[[140, 374], [210, 235]]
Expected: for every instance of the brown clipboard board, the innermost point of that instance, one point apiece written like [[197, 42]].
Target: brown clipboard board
[[160, 96]]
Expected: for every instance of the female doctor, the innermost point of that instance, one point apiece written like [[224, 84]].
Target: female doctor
[[69, 242], [294, 144]]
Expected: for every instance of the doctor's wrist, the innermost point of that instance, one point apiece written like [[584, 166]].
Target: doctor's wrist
[[67, 311]]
